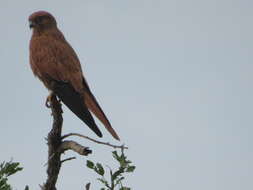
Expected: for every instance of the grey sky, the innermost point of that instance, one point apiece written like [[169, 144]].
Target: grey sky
[[174, 77]]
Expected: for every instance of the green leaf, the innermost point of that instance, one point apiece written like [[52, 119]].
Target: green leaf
[[130, 169], [123, 164], [111, 172], [4, 185], [125, 188], [9, 168], [123, 157], [115, 155], [100, 170], [104, 182], [90, 164], [117, 173], [12, 168], [119, 180]]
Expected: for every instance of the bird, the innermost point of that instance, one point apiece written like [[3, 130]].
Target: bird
[[55, 63]]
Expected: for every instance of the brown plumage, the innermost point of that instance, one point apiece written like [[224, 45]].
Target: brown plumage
[[56, 64]]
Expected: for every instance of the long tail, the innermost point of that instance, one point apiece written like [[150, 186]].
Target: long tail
[[93, 106], [74, 101]]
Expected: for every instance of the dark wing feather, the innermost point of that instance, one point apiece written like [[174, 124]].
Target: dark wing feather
[[74, 101]]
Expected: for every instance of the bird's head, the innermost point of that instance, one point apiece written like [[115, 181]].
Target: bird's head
[[41, 20]]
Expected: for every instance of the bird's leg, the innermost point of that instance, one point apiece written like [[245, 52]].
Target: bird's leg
[[49, 99]]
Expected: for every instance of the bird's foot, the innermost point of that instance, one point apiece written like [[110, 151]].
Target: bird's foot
[[49, 100]]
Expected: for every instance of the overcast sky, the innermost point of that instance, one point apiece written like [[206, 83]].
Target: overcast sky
[[173, 76]]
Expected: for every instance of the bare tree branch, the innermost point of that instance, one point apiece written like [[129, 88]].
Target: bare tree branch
[[72, 145], [56, 146], [68, 159], [54, 142], [93, 140]]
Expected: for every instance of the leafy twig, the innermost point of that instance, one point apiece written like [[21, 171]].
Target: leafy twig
[[7, 169], [117, 176]]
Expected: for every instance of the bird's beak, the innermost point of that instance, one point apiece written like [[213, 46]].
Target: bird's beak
[[31, 24]]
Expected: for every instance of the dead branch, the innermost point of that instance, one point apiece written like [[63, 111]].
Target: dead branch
[[56, 146], [54, 142], [72, 145], [68, 159], [93, 140]]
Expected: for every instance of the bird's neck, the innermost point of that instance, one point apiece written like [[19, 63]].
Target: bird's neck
[[52, 33]]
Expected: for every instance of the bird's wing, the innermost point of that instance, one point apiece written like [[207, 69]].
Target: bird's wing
[[74, 101], [55, 58]]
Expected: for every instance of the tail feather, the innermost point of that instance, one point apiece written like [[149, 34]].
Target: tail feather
[[94, 107]]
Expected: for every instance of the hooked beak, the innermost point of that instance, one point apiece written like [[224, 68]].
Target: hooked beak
[[31, 24]]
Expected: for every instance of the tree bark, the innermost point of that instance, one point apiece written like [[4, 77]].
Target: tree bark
[[54, 143]]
